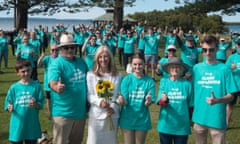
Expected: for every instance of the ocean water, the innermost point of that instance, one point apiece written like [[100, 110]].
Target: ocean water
[[8, 23]]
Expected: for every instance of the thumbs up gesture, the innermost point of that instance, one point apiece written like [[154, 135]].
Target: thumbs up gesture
[[60, 87], [211, 100], [148, 100], [121, 100], [10, 107]]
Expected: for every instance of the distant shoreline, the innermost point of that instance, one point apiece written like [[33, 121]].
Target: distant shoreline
[[41, 18]]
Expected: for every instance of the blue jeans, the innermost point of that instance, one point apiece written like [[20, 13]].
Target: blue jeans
[[173, 139]]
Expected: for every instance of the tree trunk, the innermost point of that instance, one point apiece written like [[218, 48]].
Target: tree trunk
[[118, 14], [22, 14]]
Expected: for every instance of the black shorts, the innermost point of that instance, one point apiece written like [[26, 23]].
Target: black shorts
[[234, 100], [47, 94]]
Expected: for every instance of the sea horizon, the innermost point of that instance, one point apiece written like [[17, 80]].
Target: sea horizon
[[7, 23]]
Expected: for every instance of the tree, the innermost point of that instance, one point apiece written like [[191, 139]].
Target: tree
[[49, 7]]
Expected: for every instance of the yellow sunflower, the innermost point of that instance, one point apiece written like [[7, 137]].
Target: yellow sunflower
[[100, 88], [108, 84]]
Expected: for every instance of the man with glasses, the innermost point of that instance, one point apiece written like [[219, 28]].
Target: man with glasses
[[67, 80], [213, 88]]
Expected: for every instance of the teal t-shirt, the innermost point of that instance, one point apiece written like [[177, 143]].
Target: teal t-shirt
[[129, 43], [90, 53], [169, 40], [120, 41], [135, 115], [161, 62], [151, 44], [46, 62], [174, 118], [26, 53], [24, 121], [3, 43], [72, 102], [36, 46], [235, 59], [222, 51], [207, 78], [189, 56], [141, 43]]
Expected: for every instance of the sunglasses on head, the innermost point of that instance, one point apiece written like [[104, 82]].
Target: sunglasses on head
[[210, 50], [69, 47]]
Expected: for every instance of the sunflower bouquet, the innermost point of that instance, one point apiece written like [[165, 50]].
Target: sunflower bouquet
[[104, 90]]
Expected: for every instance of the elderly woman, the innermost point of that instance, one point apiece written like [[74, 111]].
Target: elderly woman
[[175, 97]]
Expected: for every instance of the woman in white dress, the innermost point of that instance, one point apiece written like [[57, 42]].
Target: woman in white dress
[[100, 109]]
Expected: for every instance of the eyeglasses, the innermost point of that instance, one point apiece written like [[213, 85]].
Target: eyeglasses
[[69, 47], [210, 50], [54, 50]]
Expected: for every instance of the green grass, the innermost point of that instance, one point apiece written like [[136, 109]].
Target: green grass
[[9, 76]]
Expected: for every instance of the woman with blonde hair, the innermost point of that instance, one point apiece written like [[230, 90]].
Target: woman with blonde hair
[[102, 109]]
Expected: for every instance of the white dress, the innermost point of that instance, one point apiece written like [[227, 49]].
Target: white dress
[[98, 131]]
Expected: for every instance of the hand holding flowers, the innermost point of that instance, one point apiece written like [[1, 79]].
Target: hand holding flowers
[[104, 90]]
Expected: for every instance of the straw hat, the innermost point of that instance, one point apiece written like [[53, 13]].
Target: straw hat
[[66, 40], [175, 61]]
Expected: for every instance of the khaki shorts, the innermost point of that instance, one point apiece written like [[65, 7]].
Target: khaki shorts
[[67, 131]]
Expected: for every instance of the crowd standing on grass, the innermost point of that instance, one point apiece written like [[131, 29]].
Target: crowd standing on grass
[[80, 63]]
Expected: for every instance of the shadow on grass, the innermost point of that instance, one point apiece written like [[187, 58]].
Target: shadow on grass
[[4, 136], [233, 128]]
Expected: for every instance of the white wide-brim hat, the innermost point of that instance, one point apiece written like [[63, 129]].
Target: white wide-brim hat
[[175, 61], [66, 40]]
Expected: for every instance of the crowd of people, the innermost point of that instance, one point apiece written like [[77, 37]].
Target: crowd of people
[[82, 82]]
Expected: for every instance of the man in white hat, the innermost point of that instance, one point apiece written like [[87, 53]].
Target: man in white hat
[[67, 80]]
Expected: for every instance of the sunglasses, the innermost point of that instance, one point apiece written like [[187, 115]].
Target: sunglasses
[[210, 50], [69, 47], [172, 50], [54, 50]]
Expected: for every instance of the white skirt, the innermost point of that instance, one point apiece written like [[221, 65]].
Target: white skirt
[[99, 133]]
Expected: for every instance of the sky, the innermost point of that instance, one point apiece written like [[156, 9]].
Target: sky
[[140, 6]]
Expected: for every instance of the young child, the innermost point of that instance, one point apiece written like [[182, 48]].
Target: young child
[[24, 100]]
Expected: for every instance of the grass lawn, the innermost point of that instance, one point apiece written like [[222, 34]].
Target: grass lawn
[[9, 76]]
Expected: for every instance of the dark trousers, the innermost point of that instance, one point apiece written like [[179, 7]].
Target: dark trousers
[[173, 139], [120, 56], [126, 60]]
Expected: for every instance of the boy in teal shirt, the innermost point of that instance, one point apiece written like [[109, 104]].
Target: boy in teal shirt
[[213, 88], [23, 101]]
